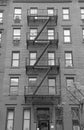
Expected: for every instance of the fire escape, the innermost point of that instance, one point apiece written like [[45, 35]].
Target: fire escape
[[36, 94]]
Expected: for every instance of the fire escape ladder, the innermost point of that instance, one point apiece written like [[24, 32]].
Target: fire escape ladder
[[41, 30], [41, 54], [42, 81]]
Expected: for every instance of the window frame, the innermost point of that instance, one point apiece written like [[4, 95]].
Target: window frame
[[51, 52], [81, 14], [66, 14], [32, 52], [16, 37], [67, 36], [14, 86], [19, 15], [52, 78], [1, 18], [25, 109], [12, 60], [69, 78], [68, 52], [9, 110], [53, 35], [34, 14], [32, 37], [48, 9]]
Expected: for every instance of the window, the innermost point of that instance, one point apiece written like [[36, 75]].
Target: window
[[32, 79], [66, 14], [16, 34], [69, 82], [17, 14], [75, 118], [32, 58], [33, 11], [51, 58], [52, 85], [10, 119], [26, 125], [67, 37], [83, 33], [33, 34], [0, 37], [14, 83], [68, 59], [1, 17], [50, 12], [50, 34], [82, 13], [15, 59]]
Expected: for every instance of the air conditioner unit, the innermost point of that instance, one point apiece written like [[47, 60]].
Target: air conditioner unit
[[17, 19]]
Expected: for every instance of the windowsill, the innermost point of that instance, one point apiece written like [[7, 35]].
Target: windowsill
[[69, 67], [66, 19], [67, 42], [15, 67]]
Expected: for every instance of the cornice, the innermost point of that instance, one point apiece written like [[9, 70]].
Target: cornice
[[42, 1]]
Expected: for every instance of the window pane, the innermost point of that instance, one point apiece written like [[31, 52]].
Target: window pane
[[15, 63], [51, 62], [16, 55], [69, 82], [10, 115], [17, 31], [65, 11], [51, 55], [68, 56], [82, 11], [32, 55], [32, 62], [52, 90], [26, 114], [10, 125], [66, 32], [26, 124], [68, 63], [32, 79], [65, 17], [51, 82], [17, 11], [33, 11], [50, 12], [1, 15], [66, 39], [14, 90], [14, 81]]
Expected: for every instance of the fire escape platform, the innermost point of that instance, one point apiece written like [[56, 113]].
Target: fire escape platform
[[42, 99]]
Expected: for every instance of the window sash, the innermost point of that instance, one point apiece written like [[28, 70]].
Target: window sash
[[82, 13], [14, 81], [33, 11], [69, 81], [26, 124], [17, 13], [15, 59], [50, 34], [67, 35], [51, 59], [13, 90], [32, 58], [10, 120], [33, 33], [52, 85], [68, 59], [1, 17], [50, 12], [0, 37], [16, 34]]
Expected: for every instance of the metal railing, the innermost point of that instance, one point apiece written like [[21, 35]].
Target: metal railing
[[42, 13]]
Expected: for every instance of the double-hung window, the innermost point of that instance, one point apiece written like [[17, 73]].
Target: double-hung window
[[67, 35], [15, 59], [16, 34], [69, 82], [68, 59], [66, 14], [51, 58], [10, 119], [33, 11], [17, 14], [33, 34], [82, 13], [52, 85], [1, 17], [26, 123], [14, 83], [50, 11], [50, 34], [32, 57], [83, 33]]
